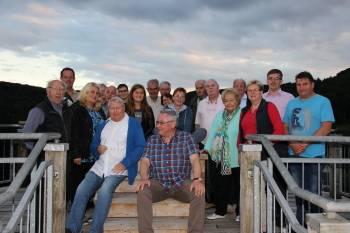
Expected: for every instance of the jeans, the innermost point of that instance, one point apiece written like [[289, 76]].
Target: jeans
[[311, 182], [86, 189]]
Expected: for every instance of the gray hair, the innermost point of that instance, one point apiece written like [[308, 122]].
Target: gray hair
[[153, 81], [240, 80], [170, 113], [212, 80], [166, 83], [199, 81], [116, 99], [49, 84]]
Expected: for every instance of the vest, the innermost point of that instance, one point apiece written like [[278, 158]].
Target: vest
[[264, 126], [53, 121]]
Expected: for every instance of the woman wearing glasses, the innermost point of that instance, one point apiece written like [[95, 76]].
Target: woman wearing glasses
[[260, 117]]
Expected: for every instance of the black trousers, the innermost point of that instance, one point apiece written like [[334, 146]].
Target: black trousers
[[227, 189]]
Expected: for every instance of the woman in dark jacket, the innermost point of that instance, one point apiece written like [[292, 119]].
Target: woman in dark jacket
[[138, 107], [86, 116], [185, 115]]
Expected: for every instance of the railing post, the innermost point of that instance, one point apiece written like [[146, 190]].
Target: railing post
[[58, 153], [249, 153], [328, 222]]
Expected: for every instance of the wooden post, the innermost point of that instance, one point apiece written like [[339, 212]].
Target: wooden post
[[248, 154], [329, 222], [58, 153]]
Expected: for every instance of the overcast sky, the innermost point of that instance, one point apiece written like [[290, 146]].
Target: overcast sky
[[131, 41]]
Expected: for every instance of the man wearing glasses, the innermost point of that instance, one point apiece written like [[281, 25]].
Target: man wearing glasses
[[275, 94], [47, 116], [123, 92], [169, 159]]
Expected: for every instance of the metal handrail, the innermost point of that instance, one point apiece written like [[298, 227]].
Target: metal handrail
[[29, 163], [327, 205], [280, 198], [27, 196]]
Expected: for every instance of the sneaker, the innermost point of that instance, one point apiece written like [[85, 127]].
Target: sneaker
[[215, 216], [237, 219]]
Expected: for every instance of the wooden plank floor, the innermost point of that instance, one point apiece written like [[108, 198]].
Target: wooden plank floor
[[226, 225]]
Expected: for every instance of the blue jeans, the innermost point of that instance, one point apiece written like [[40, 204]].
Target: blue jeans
[[311, 182], [86, 189]]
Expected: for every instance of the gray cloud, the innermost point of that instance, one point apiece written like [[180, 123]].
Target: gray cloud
[[132, 41]]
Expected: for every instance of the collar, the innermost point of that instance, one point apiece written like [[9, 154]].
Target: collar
[[212, 102], [279, 93]]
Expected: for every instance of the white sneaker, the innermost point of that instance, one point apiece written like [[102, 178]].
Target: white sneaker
[[214, 216], [237, 219]]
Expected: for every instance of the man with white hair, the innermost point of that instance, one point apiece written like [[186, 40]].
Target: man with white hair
[[164, 88], [153, 100], [206, 111], [118, 143], [47, 116]]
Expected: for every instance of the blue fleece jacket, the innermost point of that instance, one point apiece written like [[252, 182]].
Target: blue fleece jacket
[[134, 148]]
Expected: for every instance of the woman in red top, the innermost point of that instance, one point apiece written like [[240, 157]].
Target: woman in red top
[[259, 116]]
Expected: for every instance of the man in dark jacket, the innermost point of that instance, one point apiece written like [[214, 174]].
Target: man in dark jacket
[[47, 116]]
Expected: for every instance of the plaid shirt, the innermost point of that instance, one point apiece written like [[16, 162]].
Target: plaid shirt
[[170, 163]]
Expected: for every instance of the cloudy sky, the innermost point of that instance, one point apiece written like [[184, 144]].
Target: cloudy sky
[[176, 40]]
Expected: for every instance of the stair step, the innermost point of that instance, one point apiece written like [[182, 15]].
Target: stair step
[[160, 225], [124, 187], [125, 205]]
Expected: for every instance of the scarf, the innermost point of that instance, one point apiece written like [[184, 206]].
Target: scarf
[[220, 152]]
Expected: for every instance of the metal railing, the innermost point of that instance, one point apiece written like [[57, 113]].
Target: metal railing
[[34, 214], [274, 195], [26, 211], [7, 149]]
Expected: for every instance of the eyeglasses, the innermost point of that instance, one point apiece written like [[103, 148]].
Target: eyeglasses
[[163, 122], [253, 90], [273, 79], [57, 89]]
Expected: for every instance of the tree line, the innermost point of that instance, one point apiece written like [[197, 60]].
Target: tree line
[[17, 99]]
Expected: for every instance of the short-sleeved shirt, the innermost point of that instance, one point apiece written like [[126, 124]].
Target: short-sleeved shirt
[[170, 163], [304, 117]]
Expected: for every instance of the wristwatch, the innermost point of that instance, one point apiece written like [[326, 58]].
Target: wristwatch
[[197, 178]]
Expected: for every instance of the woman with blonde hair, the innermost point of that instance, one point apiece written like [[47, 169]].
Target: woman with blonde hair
[[221, 145], [86, 115]]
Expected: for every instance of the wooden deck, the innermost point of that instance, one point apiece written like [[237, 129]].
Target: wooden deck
[[226, 225]]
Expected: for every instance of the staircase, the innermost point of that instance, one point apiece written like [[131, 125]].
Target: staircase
[[169, 216]]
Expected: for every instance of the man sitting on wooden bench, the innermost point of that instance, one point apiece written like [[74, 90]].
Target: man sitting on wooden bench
[[166, 165]]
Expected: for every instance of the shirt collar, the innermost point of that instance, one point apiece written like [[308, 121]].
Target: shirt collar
[[279, 92]]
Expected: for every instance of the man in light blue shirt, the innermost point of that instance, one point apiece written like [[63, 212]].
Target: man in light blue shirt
[[309, 114]]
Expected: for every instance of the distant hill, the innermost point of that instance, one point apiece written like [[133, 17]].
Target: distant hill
[[337, 90], [17, 99]]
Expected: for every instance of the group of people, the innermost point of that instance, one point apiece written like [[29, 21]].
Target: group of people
[[109, 129]]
